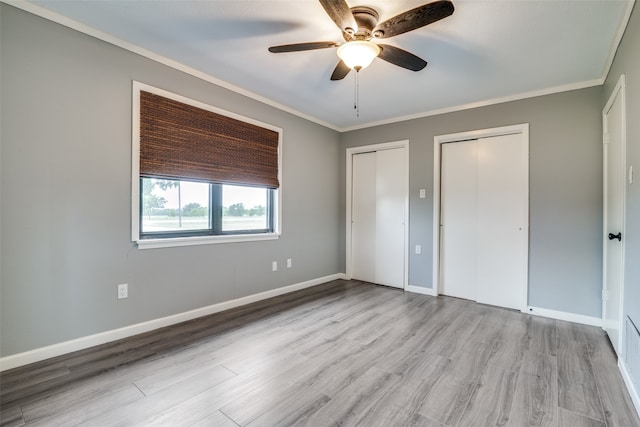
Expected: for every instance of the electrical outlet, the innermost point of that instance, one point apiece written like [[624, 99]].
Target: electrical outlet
[[274, 266], [289, 263], [123, 291]]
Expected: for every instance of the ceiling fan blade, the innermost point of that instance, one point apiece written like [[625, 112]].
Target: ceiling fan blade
[[415, 18], [297, 47], [340, 72], [339, 12], [401, 58]]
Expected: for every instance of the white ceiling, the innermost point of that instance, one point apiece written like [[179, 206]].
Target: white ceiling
[[487, 51]]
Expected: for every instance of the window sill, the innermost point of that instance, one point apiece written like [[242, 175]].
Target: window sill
[[203, 240]]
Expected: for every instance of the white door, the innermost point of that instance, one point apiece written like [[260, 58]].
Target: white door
[[363, 216], [378, 201], [459, 192], [614, 183], [391, 195], [483, 216], [502, 189]]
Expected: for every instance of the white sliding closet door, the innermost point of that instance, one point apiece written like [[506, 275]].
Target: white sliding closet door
[[379, 195], [459, 197], [483, 201], [363, 226], [391, 194], [501, 235]]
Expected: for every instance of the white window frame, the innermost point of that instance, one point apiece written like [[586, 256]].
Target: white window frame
[[135, 178]]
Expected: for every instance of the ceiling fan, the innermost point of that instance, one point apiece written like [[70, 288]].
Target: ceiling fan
[[359, 25]]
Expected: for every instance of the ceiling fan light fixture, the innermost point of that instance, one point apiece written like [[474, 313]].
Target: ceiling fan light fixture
[[358, 54]]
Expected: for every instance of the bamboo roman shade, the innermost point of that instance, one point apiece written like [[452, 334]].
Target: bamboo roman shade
[[180, 141]]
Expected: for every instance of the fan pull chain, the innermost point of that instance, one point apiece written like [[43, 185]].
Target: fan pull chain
[[356, 95]]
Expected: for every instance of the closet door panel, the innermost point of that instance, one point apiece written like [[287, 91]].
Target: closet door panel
[[459, 225], [391, 184], [500, 221], [363, 216]]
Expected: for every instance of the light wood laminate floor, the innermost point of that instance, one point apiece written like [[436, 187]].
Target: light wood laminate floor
[[343, 353]]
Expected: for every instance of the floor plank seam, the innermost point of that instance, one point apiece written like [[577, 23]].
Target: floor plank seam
[[139, 389], [586, 416], [231, 419]]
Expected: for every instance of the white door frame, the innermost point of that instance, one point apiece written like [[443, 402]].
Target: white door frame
[[619, 89], [438, 140], [349, 175]]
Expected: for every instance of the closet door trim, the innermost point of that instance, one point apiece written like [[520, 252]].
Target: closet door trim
[[349, 176], [438, 140]]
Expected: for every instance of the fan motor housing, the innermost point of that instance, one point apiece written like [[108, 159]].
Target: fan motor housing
[[367, 19]]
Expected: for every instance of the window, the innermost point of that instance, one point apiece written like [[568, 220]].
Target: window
[[173, 208], [200, 174]]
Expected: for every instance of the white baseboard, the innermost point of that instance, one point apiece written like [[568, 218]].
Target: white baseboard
[[36, 355], [561, 315], [635, 397], [421, 290]]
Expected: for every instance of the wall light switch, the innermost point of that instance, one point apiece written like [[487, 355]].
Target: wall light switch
[[274, 266], [423, 193], [418, 249], [289, 263], [630, 174]]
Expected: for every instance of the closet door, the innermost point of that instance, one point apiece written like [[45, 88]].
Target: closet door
[[501, 193], [379, 196], [483, 237], [458, 252], [363, 217], [391, 183]]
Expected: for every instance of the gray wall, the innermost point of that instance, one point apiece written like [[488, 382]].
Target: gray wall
[[627, 61], [66, 184], [565, 246]]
